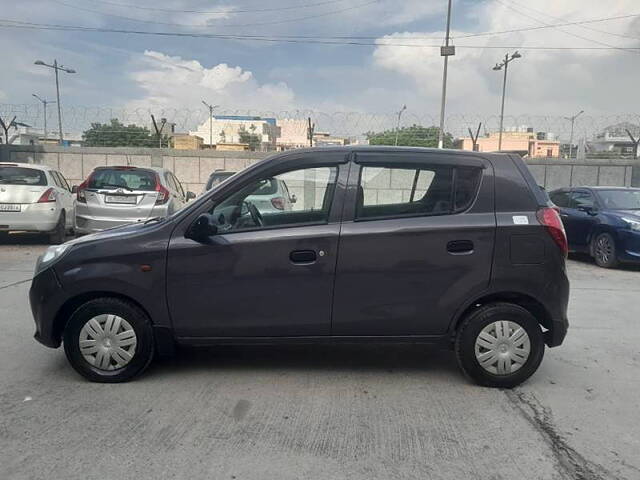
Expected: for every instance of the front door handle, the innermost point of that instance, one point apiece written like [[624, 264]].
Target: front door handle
[[460, 247], [303, 257]]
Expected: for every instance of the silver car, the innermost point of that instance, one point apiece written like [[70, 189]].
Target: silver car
[[35, 198], [114, 196], [270, 195]]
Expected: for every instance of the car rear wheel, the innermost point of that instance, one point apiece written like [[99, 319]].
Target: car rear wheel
[[499, 345], [58, 234], [109, 340], [604, 250]]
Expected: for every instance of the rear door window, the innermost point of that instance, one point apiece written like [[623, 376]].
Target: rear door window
[[129, 179], [10, 175], [397, 191], [561, 199]]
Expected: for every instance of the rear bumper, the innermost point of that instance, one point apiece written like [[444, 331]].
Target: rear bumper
[[86, 222], [555, 335], [33, 217], [45, 298]]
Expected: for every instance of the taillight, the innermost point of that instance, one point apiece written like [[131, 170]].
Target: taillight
[[49, 195], [163, 193], [80, 194], [550, 218], [278, 202]]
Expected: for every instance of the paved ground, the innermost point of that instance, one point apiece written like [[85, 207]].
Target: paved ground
[[327, 412]]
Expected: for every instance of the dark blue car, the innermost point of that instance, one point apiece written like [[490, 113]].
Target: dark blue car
[[601, 221]]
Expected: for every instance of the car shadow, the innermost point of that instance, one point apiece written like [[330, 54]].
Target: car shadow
[[587, 259], [332, 357], [23, 239]]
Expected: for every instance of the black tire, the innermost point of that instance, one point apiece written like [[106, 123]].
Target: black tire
[[144, 349], [604, 251], [472, 326], [59, 234]]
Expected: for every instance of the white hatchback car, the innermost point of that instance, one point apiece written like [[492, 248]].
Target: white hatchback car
[[35, 198]]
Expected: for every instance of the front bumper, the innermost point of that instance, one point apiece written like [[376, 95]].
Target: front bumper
[[46, 299], [629, 241], [33, 217]]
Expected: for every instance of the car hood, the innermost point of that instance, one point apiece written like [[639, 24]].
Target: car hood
[[112, 233]]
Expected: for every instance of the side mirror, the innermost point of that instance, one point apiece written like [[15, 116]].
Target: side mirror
[[190, 196], [203, 228], [74, 189], [293, 198]]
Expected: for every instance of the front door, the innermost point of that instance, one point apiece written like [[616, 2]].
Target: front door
[[417, 245], [269, 272]]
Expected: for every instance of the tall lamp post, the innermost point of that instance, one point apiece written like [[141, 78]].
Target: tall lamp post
[[44, 112], [57, 67], [499, 66], [572, 119], [404, 107], [210, 107], [446, 51]]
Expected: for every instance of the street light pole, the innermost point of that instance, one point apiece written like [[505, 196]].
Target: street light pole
[[573, 121], [446, 51], [404, 107], [505, 63], [44, 112], [210, 107], [57, 67]]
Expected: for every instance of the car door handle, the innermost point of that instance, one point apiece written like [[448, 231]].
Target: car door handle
[[303, 257], [460, 247]]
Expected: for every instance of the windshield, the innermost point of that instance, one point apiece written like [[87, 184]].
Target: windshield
[[22, 176], [620, 199], [129, 179]]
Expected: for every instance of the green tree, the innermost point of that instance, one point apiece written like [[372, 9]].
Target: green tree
[[251, 137], [413, 136], [116, 134]]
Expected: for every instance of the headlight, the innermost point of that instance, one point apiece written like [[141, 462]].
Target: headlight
[[632, 224], [51, 256]]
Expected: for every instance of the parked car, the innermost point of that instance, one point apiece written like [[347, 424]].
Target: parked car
[[603, 222], [386, 245], [114, 196], [35, 198], [273, 195]]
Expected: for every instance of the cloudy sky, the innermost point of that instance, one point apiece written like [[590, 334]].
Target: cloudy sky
[[156, 71]]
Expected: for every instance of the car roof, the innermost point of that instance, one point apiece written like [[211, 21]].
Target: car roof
[[388, 148], [35, 166]]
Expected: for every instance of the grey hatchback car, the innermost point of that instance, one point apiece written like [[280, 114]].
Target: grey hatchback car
[[411, 245], [114, 196]]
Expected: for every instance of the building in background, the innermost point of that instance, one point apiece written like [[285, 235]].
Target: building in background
[[184, 141], [615, 139], [523, 141], [228, 129], [294, 133]]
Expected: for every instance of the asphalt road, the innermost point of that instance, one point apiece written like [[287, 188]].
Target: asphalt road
[[336, 412]]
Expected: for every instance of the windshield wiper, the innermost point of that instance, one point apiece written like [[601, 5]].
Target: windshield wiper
[[117, 186]]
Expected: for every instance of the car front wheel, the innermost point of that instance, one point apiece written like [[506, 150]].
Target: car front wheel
[[109, 340], [499, 345]]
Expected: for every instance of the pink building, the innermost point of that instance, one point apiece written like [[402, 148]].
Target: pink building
[[522, 142]]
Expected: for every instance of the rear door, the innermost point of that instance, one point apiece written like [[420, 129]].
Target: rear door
[[64, 196], [125, 193], [416, 242]]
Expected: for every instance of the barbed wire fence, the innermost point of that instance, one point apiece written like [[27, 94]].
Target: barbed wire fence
[[291, 126]]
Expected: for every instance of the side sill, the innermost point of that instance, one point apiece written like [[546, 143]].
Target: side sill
[[443, 340]]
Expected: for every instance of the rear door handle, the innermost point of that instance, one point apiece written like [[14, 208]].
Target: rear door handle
[[460, 247], [303, 257]]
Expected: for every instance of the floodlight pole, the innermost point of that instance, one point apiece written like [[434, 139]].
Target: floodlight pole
[[446, 51]]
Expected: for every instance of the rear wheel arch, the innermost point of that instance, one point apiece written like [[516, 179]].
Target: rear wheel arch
[[529, 303]]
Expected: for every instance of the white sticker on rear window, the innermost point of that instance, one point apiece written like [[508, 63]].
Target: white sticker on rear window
[[520, 220]]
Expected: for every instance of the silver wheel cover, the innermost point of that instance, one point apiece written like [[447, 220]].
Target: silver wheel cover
[[107, 342], [502, 347]]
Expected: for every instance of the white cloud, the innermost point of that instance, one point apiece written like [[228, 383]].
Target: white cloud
[[173, 82], [542, 82]]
